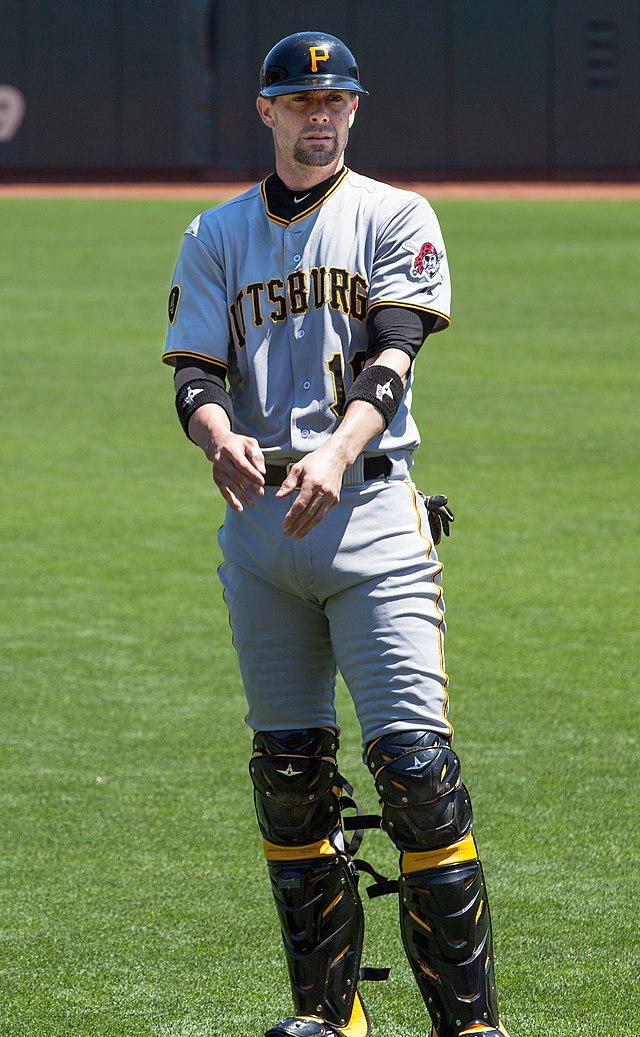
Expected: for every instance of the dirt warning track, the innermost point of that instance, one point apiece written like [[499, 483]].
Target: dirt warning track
[[597, 190]]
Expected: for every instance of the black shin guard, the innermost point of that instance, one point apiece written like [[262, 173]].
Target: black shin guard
[[444, 912], [322, 927], [297, 796], [446, 931]]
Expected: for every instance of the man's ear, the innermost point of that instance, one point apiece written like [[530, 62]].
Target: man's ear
[[354, 109], [264, 106]]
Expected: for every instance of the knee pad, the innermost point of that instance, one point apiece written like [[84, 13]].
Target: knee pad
[[424, 804], [295, 778]]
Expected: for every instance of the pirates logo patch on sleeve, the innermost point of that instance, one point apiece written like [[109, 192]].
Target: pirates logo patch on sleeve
[[174, 299], [425, 264]]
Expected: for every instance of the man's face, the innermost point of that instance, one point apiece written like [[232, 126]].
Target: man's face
[[310, 128]]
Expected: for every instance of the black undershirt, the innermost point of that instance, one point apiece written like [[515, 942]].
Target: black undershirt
[[280, 198], [398, 327]]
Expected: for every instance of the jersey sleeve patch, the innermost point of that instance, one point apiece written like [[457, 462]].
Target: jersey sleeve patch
[[174, 300], [425, 264]]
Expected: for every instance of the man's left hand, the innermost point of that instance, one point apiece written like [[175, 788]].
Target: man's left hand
[[318, 477]]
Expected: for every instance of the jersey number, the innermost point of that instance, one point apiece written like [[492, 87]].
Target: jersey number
[[336, 367]]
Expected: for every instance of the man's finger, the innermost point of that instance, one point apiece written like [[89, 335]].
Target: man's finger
[[234, 490], [291, 483], [256, 457], [235, 469], [312, 522], [299, 521], [297, 510], [230, 498]]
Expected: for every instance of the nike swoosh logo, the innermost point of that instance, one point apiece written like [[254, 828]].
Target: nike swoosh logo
[[301, 198]]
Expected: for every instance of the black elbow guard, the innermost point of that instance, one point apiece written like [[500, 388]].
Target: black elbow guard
[[195, 394]]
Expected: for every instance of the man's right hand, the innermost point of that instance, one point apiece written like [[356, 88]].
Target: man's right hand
[[238, 462], [238, 470]]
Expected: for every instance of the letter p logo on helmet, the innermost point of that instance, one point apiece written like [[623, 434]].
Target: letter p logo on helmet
[[318, 54]]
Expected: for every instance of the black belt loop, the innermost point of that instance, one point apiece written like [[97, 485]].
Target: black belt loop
[[374, 468]]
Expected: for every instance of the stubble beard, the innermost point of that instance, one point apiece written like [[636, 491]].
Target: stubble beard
[[318, 157]]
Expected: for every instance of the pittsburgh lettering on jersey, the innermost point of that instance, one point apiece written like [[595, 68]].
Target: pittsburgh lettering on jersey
[[276, 299]]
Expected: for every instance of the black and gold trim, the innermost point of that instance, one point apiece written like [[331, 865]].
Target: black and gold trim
[[297, 792], [415, 306], [359, 1025], [171, 356], [322, 924], [316, 202]]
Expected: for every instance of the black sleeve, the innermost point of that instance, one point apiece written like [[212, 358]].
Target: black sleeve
[[398, 327], [219, 371]]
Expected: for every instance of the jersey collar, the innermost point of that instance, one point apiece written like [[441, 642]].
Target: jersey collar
[[279, 204]]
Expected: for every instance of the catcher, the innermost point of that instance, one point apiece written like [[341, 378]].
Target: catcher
[[311, 296]]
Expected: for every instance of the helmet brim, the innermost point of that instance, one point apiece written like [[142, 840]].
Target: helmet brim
[[300, 84]]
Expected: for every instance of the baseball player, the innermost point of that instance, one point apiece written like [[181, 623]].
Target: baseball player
[[310, 297]]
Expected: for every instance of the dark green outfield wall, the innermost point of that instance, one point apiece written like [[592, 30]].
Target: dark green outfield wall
[[456, 85]]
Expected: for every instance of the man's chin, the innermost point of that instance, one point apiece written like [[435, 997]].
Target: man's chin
[[316, 158]]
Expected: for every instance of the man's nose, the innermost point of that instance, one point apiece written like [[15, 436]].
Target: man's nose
[[319, 112]]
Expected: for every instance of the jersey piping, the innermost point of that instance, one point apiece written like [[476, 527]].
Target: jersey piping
[[437, 607], [168, 357], [413, 306], [306, 212]]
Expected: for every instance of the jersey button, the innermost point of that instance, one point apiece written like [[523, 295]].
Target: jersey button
[[304, 432], [301, 333], [296, 259], [306, 385]]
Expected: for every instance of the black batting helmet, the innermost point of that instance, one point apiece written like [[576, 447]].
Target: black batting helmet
[[309, 61]]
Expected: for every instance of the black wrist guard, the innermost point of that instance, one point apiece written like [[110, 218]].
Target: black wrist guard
[[195, 394], [381, 387]]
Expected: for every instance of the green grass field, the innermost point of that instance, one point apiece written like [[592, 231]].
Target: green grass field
[[133, 895]]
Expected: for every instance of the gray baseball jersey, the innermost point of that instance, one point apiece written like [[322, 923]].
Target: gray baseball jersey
[[284, 305]]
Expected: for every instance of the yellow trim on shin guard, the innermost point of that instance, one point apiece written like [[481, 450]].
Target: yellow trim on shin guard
[[464, 850], [358, 1025], [477, 1029], [273, 852]]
